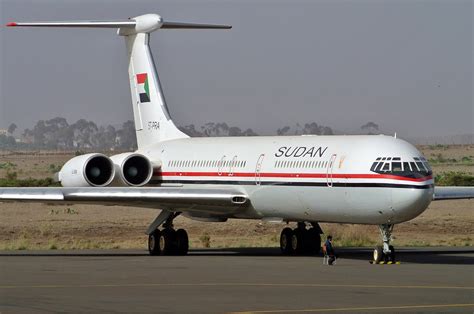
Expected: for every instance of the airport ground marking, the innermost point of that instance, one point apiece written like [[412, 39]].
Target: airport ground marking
[[236, 284], [368, 308]]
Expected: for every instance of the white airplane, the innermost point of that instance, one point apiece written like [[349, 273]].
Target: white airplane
[[377, 180]]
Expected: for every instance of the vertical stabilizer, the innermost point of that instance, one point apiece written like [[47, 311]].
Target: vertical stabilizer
[[152, 119]]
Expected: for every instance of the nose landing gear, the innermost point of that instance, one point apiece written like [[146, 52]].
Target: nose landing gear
[[385, 253]]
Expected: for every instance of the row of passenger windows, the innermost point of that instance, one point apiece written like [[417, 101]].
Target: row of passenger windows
[[412, 168], [301, 164], [207, 163]]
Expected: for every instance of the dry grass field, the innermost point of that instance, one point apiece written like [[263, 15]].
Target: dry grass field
[[36, 226]]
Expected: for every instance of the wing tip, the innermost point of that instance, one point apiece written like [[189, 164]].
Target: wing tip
[[11, 24]]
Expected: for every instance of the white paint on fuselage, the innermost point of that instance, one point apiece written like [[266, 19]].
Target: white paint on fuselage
[[292, 178]]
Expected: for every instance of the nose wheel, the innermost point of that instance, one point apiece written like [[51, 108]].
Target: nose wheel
[[385, 253]]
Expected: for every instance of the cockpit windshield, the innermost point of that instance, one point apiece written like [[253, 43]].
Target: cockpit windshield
[[416, 167]]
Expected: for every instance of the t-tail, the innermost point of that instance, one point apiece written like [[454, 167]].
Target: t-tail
[[152, 119]]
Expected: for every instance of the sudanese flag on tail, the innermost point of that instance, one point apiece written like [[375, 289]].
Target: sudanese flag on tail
[[143, 88]]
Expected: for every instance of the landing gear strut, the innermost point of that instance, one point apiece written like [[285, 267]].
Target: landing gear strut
[[168, 241], [385, 253], [301, 240]]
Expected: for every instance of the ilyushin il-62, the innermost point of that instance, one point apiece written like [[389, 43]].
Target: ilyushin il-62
[[374, 179]]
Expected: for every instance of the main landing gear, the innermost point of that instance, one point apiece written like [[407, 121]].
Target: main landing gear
[[300, 240], [168, 241], [385, 253]]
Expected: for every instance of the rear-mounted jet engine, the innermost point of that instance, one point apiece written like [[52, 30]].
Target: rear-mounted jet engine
[[87, 170], [132, 169]]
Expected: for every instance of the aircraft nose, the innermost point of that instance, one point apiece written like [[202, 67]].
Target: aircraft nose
[[410, 203]]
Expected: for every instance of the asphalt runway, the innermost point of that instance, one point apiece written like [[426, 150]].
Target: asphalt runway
[[428, 280]]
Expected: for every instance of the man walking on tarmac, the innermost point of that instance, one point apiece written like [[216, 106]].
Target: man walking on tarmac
[[329, 250]]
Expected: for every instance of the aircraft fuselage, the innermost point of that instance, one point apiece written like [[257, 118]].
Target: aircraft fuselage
[[345, 179]]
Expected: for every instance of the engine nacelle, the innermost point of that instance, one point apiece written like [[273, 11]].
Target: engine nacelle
[[87, 170], [132, 169]]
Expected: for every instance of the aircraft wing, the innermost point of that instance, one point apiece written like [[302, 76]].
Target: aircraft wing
[[212, 200], [453, 192]]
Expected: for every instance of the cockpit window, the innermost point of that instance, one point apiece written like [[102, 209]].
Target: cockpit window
[[374, 165], [379, 167], [397, 166], [416, 167], [406, 166]]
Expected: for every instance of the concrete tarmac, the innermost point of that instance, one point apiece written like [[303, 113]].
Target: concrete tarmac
[[428, 280]]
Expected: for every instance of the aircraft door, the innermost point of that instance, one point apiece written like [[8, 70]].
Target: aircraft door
[[329, 170], [258, 169], [233, 165], [220, 166]]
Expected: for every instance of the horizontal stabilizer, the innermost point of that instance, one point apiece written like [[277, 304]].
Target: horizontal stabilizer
[[178, 25], [93, 24], [140, 24]]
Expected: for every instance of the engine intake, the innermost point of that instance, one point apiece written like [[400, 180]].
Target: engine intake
[[132, 169], [87, 170]]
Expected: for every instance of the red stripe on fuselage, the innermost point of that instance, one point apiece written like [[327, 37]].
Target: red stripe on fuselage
[[289, 175]]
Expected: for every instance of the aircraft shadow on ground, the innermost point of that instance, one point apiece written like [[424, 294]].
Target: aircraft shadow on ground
[[422, 256], [446, 256]]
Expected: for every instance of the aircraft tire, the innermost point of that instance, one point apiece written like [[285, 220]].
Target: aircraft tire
[[154, 243], [167, 241], [297, 245], [182, 242], [285, 241], [392, 253], [378, 255]]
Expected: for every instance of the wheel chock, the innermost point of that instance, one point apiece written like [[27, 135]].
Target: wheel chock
[[384, 263]]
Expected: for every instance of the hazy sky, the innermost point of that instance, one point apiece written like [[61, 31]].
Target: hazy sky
[[406, 65]]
